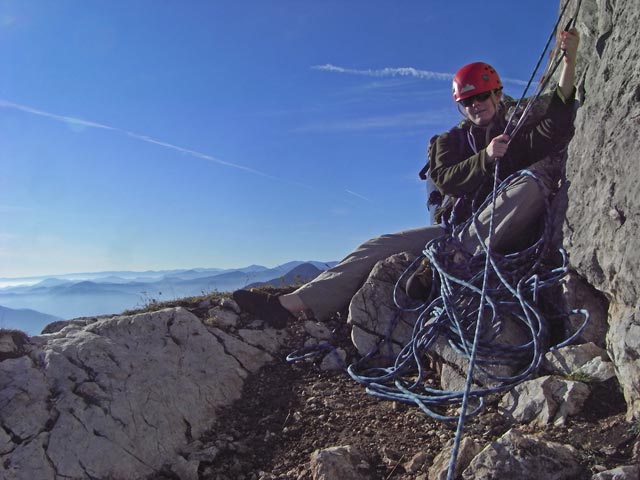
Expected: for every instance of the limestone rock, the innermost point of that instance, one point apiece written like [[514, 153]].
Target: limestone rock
[[416, 463], [455, 365], [268, 339], [222, 317], [469, 448], [544, 400], [317, 330], [451, 380], [525, 457], [58, 325], [12, 344], [230, 304], [588, 362], [601, 230], [345, 463], [623, 344], [602, 224], [567, 360], [334, 360], [120, 397], [596, 371], [250, 357], [373, 314], [577, 293], [630, 472]]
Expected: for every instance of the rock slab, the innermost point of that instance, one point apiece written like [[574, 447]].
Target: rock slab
[[525, 457], [119, 398]]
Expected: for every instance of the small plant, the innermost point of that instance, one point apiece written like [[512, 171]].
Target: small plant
[[580, 377], [147, 302]]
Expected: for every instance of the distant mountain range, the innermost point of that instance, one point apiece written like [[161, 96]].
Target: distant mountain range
[[98, 293], [24, 319], [300, 274]]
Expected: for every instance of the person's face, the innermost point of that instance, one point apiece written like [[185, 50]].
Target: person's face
[[481, 108]]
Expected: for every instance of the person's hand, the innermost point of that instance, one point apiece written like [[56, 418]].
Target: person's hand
[[569, 41], [497, 148]]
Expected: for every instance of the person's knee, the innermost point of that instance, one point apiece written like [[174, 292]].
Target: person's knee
[[526, 193]]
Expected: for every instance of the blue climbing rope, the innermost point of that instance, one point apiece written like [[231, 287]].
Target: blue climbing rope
[[513, 287]]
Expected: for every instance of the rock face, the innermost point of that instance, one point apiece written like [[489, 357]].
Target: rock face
[[373, 314], [468, 450], [118, 398], [601, 231], [544, 400], [525, 457], [345, 463]]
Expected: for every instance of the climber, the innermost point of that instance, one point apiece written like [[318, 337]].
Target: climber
[[461, 166]]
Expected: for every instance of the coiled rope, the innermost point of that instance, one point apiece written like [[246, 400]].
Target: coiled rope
[[512, 286]]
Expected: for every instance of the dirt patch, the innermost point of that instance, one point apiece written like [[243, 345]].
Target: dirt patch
[[288, 410]]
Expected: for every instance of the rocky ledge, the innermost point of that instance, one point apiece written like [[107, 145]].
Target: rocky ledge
[[203, 392]]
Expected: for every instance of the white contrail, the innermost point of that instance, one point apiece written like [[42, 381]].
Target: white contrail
[[362, 197], [399, 72], [143, 138], [387, 72]]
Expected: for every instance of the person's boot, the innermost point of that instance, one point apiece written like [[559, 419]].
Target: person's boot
[[419, 284], [263, 305]]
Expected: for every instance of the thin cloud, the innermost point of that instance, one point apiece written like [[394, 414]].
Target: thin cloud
[[386, 72], [399, 72], [89, 124], [74, 121], [362, 197]]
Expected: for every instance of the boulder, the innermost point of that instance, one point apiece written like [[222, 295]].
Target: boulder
[[629, 472], [416, 463], [544, 400], [222, 317], [344, 462], [623, 344], [120, 397], [595, 371], [469, 448], [334, 360], [577, 293], [230, 304], [525, 457], [566, 360], [12, 343], [586, 362], [373, 315], [317, 330]]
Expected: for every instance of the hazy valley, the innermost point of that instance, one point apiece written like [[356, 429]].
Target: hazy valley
[[28, 304]]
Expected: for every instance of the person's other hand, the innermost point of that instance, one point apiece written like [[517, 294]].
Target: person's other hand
[[569, 41]]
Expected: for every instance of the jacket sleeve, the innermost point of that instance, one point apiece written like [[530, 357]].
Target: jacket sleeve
[[456, 170], [551, 132]]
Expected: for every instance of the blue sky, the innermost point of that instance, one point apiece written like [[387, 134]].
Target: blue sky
[[146, 134]]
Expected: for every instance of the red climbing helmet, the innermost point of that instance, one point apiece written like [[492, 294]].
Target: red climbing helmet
[[475, 78]]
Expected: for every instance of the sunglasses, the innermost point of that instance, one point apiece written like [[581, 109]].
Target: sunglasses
[[481, 97]]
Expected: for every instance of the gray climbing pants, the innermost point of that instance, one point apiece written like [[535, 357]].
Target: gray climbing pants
[[518, 209]]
